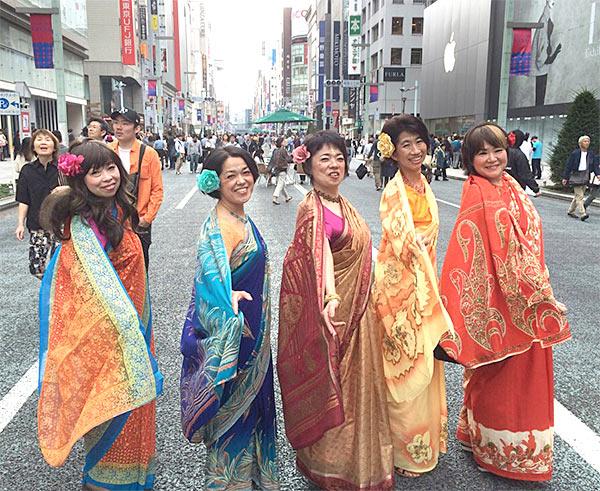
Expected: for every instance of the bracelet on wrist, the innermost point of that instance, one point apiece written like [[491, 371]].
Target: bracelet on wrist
[[332, 296]]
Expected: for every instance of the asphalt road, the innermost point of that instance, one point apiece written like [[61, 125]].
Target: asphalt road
[[572, 249]]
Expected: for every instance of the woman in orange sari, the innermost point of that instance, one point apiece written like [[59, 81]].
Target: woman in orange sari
[[407, 304], [98, 375], [496, 287], [329, 362]]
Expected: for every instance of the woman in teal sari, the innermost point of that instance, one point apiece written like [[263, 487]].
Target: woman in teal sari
[[227, 398]]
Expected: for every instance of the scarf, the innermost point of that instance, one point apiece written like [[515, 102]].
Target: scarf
[[495, 282]]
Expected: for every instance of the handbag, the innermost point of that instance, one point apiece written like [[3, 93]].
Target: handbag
[[361, 171], [579, 178]]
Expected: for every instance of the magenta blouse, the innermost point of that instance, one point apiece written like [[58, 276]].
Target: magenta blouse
[[334, 224]]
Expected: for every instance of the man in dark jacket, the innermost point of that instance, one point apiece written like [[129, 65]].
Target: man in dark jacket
[[518, 164], [581, 163]]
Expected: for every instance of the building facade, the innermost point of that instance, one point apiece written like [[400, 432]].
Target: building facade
[[391, 59], [462, 57], [35, 87], [299, 74]]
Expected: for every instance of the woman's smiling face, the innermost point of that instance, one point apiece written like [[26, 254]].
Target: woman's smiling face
[[237, 182], [410, 152], [490, 162], [328, 167]]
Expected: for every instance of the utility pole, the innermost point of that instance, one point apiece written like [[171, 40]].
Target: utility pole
[[59, 71], [509, 7], [507, 41]]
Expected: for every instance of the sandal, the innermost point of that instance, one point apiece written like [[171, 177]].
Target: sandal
[[405, 473]]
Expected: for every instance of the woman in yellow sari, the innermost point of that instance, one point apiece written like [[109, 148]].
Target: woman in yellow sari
[[407, 303]]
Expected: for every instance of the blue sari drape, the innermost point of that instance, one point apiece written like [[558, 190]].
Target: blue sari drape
[[227, 398]]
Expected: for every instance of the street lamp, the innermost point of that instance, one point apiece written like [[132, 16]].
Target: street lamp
[[121, 85], [403, 91]]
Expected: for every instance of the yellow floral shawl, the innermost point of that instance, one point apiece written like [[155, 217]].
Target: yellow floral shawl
[[405, 294]]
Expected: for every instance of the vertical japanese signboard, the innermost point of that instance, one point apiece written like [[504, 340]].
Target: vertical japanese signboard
[[154, 15], [354, 28], [127, 34], [321, 71], [335, 62], [287, 53]]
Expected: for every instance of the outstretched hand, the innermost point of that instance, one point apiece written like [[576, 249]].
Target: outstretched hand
[[236, 296]]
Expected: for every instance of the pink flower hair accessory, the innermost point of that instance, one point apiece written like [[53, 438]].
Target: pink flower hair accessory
[[70, 165], [300, 154]]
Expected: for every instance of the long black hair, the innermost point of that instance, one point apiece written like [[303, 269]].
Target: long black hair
[[63, 204]]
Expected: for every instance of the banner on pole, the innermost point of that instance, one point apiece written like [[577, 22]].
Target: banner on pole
[[127, 36], [151, 88], [42, 39], [321, 88], [337, 41], [373, 93], [354, 31], [520, 56]]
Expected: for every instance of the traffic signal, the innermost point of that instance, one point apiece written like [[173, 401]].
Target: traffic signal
[[333, 83]]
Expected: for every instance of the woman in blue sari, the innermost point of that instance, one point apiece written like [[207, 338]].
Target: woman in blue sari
[[227, 398]]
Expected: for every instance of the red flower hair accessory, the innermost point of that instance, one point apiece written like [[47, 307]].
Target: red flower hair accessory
[[300, 154], [70, 165], [512, 139]]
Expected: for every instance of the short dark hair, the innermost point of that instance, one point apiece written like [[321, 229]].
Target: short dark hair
[[317, 141], [103, 124], [58, 135], [476, 137], [279, 141], [405, 122], [217, 158]]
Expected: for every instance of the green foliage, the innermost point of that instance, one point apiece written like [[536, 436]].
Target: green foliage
[[583, 119]]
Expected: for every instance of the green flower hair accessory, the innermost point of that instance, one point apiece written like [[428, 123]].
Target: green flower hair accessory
[[385, 145], [208, 181]]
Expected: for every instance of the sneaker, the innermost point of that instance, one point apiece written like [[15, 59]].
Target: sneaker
[[288, 199], [275, 202], [571, 214], [584, 217]]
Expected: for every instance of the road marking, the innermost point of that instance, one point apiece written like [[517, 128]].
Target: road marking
[[188, 197], [447, 203], [579, 437], [17, 396], [302, 190]]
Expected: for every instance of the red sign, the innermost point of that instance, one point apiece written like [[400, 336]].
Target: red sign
[[25, 123], [127, 33]]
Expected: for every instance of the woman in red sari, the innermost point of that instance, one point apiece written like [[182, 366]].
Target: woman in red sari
[[496, 288], [329, 360]]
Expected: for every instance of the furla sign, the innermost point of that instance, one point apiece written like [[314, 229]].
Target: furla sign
[[449, 55]]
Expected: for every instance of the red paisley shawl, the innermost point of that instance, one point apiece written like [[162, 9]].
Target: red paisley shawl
[[495, 283], [308, 356]]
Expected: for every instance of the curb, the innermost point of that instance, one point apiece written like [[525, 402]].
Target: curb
[[549, 194], [6, 204]]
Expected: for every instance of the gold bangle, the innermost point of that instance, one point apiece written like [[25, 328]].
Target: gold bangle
[[332, 296]]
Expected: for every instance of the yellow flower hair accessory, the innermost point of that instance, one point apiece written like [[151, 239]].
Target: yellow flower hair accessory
[[385, 145]]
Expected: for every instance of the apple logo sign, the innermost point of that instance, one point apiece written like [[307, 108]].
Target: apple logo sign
[[449, 58]]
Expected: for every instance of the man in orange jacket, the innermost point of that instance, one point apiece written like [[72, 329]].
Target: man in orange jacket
[[143, 165]]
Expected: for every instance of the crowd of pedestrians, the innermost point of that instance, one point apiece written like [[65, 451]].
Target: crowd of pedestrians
[[361, 344]]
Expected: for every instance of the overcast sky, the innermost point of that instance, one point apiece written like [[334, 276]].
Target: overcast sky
[[238, 29]]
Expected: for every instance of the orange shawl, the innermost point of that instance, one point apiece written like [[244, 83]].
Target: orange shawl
[[405, 294], [308, 356], [495, 282]]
